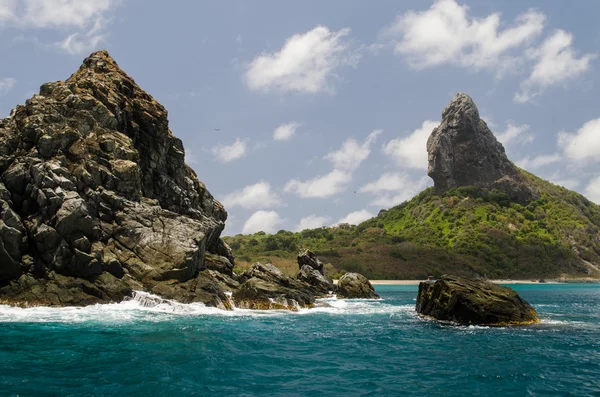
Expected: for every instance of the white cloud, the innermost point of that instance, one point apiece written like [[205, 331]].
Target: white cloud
[[556, 62], [7, 10], [6, 85], [312, 222], [64, 13], [584, 144], [285, 131], [393, 188], [266, 221], [411, 151], [446, 33], [352, 154], [388, 182], [356, 217], [78, 43], [190, 157], [558, 179], [254, 196], [539, 161], [515, 134], [306, 62], [228, 153], [592, 191], [321, 186], [87, 19]]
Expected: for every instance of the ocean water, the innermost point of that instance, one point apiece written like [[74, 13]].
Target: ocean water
[[353, 348]]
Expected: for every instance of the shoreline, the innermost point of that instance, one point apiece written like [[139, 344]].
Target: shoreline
[[498, 281]]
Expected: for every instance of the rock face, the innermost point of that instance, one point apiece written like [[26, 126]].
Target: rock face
[[96, 199], [468, 301], [462, 151], [266, 287], [313, 273], [321, 284], [355, 286], [309, 258]]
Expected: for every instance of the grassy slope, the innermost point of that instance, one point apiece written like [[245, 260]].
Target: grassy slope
[[468, 230]]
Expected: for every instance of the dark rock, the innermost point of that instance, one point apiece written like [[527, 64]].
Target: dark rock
[[309, 258], [218, 263], [265, 287], [96, 201], [355, 286], [464, 152], [468, 301], [94, 191], [321, 285]]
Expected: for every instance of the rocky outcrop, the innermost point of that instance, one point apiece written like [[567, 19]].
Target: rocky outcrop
[[312, 272], [469, 301], [265, 287], [462, 151], [96, 199], [320, 284], [355, 286], [309, 258]]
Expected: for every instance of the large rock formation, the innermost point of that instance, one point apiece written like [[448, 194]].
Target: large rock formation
[[264, 286], [469, 301], [95, 198], [355, 286], [312, 272], [464, 152]]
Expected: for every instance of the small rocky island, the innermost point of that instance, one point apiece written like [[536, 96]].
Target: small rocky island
[[468, 301], [96, 201]]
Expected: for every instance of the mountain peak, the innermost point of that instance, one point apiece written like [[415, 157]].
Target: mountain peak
[[464, 152]]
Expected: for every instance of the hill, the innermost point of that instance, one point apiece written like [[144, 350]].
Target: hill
[[484, 217]]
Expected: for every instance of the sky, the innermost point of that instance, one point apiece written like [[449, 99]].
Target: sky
[[305, 114]]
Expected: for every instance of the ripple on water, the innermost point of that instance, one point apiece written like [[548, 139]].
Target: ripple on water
[[150, 346]]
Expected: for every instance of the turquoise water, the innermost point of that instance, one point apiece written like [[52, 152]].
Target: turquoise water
[[354, 348]]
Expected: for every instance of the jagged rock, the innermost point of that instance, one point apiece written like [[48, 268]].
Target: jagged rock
[[219, 263], [309, 258], [355, 286], [468, 301], [96, 199], [321, 285], [464, 152], [264, 286]]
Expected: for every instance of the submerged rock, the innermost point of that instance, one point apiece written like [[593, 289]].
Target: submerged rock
[[468, 301], [355, 286], [464, 152]]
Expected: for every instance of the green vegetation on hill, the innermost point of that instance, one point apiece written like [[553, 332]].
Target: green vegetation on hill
[[466, 231]]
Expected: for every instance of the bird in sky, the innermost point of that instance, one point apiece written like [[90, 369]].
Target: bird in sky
[[217, 129]]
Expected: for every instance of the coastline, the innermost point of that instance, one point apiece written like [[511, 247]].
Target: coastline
[[498, 281], [416, 282]]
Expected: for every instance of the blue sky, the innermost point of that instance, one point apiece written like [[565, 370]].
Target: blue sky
[[324, 108]]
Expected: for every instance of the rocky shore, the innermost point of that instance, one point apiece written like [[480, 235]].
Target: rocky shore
[[96, 201]]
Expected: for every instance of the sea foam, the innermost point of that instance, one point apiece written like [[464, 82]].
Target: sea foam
[[144, 306]]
